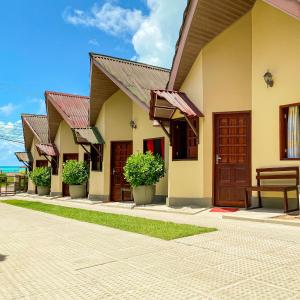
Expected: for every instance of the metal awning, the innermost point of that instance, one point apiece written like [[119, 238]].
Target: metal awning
[[47, 149], [164, 104], [24, 157], [90, 135]]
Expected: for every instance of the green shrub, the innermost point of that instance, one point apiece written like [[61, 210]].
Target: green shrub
[[3, 178], [144, 169], [75, 172], [41, 176]]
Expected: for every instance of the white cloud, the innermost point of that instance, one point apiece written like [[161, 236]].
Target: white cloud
[[41, 107], [7, 109], [154, 41], [94, 42], [10, 132], [110, 18], [153, 37]]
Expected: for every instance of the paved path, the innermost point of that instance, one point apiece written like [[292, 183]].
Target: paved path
[[48, 257]]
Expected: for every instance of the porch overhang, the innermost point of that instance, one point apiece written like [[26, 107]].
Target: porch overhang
[[47, 150], [87, 136], [164, 104], [24, 157]]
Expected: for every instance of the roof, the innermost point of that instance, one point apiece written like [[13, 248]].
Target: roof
[[34, 126], [164, 104], [89, 135], [136, 80], [73, 109], [24, 157], [203, 20], [47, 149]]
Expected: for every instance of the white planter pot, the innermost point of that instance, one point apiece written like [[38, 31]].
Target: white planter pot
[[77, 191], [43, 190], [143, 194]]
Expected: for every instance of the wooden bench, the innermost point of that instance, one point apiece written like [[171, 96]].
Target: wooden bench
[[274, 174]]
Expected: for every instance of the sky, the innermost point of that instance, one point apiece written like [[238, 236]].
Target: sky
[[45, 45]]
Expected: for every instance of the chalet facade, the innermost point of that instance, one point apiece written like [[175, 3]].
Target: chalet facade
[[66, 113], [232, 100], [35, 133], [119, 108]]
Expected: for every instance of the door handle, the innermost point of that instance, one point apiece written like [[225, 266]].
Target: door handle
[[218, 158], [113, 171]]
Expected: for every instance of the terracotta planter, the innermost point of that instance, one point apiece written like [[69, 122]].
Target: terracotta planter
[[43, 190], [77, 191], [143, 194]]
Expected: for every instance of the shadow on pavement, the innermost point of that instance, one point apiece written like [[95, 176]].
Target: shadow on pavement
[[2, 257]]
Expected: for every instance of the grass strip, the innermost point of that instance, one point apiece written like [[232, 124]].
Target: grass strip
[[153, 228]]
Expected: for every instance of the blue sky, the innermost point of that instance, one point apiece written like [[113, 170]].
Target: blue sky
[[46, 47]]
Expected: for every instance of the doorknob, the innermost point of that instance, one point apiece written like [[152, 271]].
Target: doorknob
[[113, 171], [218, 158]]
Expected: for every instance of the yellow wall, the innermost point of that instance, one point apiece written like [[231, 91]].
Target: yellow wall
[[276, 47], [219, 80], [64, 142], [35, 156], [146, 130], [113, 124]]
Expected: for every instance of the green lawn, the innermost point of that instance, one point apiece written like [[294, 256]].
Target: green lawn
[[154, 228]]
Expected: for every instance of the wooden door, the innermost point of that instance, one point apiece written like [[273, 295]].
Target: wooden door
[[120, 151], [41, 163], [68, 156], [232, 158]]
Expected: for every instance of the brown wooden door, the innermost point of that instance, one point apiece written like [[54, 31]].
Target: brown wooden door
[[41, 163], [68, 156], [232, 158], [120, 151]]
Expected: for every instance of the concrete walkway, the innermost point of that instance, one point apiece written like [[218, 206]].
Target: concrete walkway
[[48, 257]]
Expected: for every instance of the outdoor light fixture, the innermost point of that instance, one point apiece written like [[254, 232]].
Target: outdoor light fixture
[[268, 77], [132, 124]]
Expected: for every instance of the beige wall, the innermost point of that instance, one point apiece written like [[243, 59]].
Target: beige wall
[[113, 124], [276, 47], [35, 156], [220, 80], [64, 142]]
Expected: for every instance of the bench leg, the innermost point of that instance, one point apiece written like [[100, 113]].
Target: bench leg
[[286, 202], [246, 199], [259, 199], [297, 191]]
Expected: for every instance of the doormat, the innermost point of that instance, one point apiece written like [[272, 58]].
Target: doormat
[[224, 209]]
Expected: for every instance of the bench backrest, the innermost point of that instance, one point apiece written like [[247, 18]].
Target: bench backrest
[[277, 173]]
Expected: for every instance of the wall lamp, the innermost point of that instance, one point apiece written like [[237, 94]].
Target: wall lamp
[[268, 77], [132, 124]]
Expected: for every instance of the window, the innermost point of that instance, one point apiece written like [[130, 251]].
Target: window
[[156, 146], [54, 165], [184, 141], [96, 157], [290, 132]]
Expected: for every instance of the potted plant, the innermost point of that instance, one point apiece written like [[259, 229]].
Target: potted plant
[[41, 177], [75, 174], [142, 172]]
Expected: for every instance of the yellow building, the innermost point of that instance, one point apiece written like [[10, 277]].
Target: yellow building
[[119, 108], [237, 70], [66, 113], [35, 132]]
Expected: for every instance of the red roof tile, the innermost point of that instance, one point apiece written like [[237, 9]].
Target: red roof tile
[[47, 149], [74, 109]]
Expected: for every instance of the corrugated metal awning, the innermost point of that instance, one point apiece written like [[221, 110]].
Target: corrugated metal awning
[[47, 149], [164, 104], [24, 157], [89, 135]]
